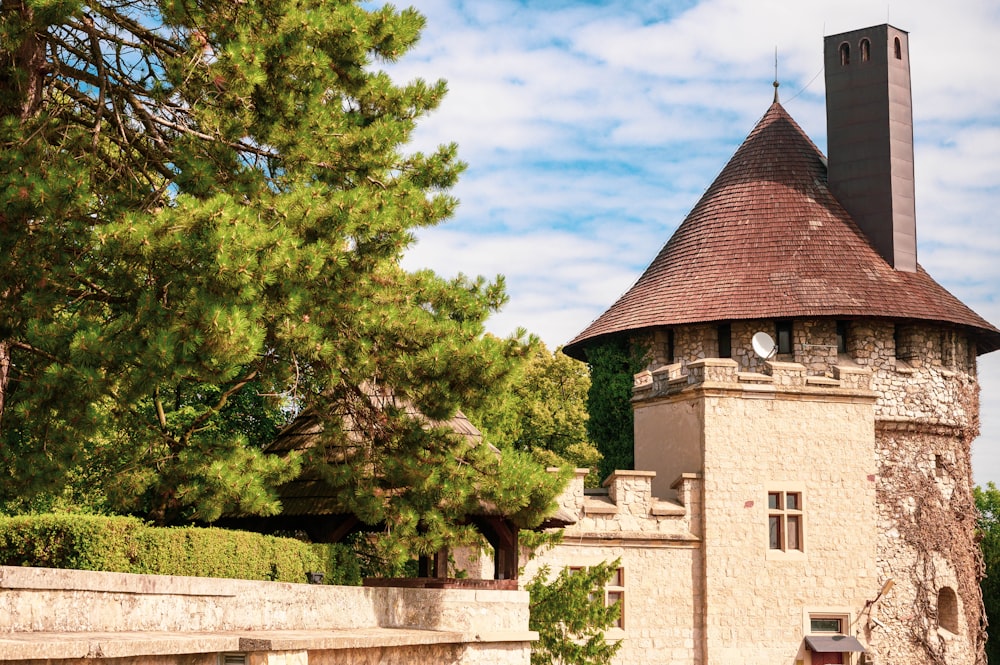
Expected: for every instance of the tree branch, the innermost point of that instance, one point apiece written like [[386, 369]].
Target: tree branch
[[161, 416], [196, 424], [24, 346]]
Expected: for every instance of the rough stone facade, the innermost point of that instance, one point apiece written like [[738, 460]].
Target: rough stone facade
[[68, 616], [659, 547], [872, 442]]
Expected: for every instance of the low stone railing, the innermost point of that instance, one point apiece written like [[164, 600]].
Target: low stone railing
[[53, 614]]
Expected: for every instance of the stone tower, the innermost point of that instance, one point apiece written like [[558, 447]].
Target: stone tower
[[835, 476]]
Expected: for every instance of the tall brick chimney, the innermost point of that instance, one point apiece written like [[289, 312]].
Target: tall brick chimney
[[869, 122]]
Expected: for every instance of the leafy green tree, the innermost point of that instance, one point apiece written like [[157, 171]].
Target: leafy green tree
[[570, 616], [609, 402], [206, 202], [542, 409], [988, 504]]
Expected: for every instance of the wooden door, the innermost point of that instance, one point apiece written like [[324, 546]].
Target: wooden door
[[832, 658]]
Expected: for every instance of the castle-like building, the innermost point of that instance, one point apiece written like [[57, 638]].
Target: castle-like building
[[803, 496], [810, 503]]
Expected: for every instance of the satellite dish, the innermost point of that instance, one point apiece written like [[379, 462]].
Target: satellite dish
[[763, 345]]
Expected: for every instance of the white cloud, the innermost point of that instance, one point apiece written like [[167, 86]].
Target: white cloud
[[591, 129]]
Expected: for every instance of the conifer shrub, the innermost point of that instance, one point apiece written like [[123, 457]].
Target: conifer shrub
[[129, 545]]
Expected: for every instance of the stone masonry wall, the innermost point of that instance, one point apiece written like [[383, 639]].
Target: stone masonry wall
[[926, 413], [788, 433], [655, 541], [927, 520], [66, 615]]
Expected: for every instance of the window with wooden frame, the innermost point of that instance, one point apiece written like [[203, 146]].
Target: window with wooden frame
[[826, 624], [613, 592], [784, 518]]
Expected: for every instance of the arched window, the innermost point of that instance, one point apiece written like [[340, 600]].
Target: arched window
[[947, 607], [866, 50], [845, 54], [899, 49]]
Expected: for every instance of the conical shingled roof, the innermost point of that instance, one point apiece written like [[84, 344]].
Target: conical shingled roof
[[768, 240]]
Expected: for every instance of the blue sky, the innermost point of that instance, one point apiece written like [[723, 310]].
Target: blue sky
[[592, 128]]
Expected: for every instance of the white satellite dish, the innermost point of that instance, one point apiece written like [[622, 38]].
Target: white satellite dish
[[763, 345]]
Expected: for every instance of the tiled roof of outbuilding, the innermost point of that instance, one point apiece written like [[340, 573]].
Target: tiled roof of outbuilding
[[309, 494], [768, 240]]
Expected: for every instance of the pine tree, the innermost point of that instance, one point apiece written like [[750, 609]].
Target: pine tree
[[205, 201], [571, 616]]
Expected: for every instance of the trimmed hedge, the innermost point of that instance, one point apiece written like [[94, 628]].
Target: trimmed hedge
[[129, 545]]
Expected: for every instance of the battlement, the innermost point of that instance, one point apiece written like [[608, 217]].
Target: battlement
[[724, 372], [625, 508]]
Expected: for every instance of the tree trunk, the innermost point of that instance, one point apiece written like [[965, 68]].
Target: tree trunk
[[21, 90], [4, 377], [22, 81]]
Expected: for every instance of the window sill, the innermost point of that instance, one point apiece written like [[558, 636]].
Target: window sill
[[945, 634], [785, 555]]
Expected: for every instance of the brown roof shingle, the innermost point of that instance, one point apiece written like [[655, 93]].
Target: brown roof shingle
[[309, 494], [768, 240]]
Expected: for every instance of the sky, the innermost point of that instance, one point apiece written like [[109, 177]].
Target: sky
[[591, 129]]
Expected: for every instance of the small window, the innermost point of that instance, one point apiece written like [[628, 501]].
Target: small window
[[725, 332], [826, 625], [948, 609], [898, 49], [845, 54], [784, 521], [866, 50], [842, 336], [783, 334], [614, 592], [670, 346]]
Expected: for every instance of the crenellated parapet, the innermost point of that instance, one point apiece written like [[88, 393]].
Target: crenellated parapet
[[675, 378], [625, 508]]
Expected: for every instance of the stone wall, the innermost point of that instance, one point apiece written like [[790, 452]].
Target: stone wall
[[668, 440], [659, 552], [928, 414], [933, 386], [923, 377], [65, 616], [782, 430], [702, 584], [927, 544], [813, 442]]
